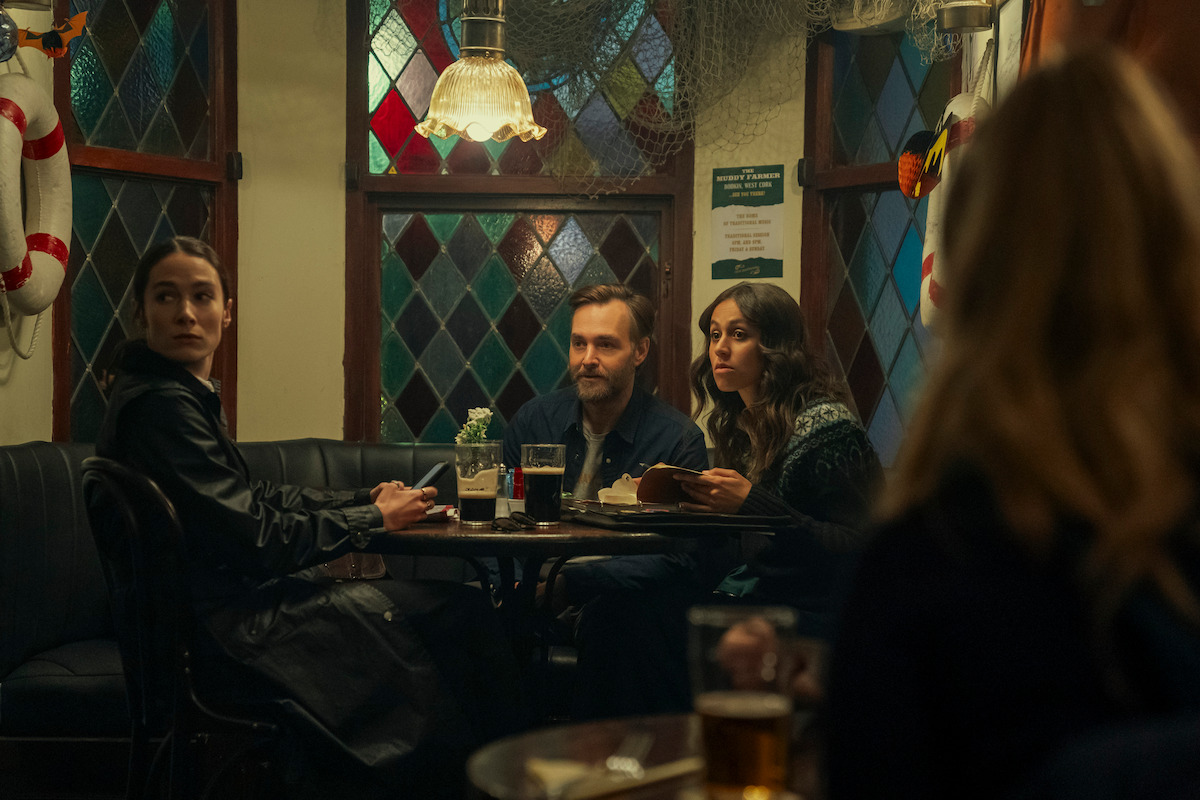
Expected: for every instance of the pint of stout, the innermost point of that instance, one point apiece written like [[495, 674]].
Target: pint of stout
[[740, 659], [745, 737], [542, 466], [477, 466]]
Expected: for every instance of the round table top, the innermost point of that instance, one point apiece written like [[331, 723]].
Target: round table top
[[564, 539], [500, 770]]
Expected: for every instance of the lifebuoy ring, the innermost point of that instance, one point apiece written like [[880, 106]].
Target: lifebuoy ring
[[958, 121], [33, 257]]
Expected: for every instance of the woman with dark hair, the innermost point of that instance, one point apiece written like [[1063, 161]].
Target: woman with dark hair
[[787, 444], [1029, 611], [383, 687]]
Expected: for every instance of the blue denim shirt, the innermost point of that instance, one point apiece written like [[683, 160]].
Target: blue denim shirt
[[648, 432]]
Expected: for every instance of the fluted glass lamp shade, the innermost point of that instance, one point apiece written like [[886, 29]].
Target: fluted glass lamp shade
[[481, 96]]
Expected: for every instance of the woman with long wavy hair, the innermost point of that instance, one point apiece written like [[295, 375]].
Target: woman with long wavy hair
[[1035, 579], [786, 444]]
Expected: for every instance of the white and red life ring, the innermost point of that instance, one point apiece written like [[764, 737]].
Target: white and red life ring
[[33, 257], [958, 122]]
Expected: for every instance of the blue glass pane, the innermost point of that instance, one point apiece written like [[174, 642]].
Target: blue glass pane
[[886, 430], [889, 323], [571, 250], [907, 270], [890, 221], [895, 107]]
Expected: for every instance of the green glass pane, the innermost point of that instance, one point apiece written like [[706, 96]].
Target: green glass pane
[[444, 146], [441, 429], [596, 271], [496, 149], [161, 47], [378, 83], [495, 225], [443, 225], [375, 13], [494, 287], [90, 88], [624, 88], [544, 363], [571, 158], [393, 44], [113, 130], [443, 286], [442, 363], [392, 428], [665, 87], [90, 205], [396, 364], [559, 326], [629, 22], [868, 270], [397, 285], [906, 378], [379, 158], [91, 312], [492, 364]]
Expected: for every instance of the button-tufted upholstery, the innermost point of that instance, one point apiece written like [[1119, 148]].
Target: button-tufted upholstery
[[60, 674]]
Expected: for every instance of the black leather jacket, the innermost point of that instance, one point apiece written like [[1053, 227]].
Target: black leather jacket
[[337, 660]]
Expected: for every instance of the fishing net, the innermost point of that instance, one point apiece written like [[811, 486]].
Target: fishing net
[[713, 72]]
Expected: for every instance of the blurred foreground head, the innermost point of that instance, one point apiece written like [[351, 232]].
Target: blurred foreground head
[[1071, 369]]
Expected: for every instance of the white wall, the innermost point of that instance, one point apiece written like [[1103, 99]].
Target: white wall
[[783, 143], [290, 303], [25, 386]]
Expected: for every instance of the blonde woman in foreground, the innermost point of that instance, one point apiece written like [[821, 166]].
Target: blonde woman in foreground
[[1025, 623]]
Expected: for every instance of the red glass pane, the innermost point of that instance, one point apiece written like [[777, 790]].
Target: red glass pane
[[392, 123], [436, 48], [468, 158], [419, 17], [419, 157]]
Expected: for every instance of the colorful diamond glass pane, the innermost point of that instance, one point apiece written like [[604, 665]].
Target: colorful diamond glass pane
[[114, 222], [492, 341], [141, 82]]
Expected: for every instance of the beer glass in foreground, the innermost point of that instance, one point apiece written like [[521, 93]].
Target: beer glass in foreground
[[478, 467], [542, 466], [740, 663]]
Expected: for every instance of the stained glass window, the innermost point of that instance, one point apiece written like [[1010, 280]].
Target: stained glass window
[[474, 310], [140, 76], [882, 94], [409, 47], [115, 220]]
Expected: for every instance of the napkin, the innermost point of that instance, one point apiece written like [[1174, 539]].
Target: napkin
[[565, 779]]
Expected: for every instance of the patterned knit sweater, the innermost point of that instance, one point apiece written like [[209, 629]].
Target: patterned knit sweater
[[824, 481]]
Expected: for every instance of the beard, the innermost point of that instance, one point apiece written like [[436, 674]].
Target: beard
[[611, 383]]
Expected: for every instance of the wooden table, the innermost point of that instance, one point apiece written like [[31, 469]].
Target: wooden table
[[498, 770], [533, 547]]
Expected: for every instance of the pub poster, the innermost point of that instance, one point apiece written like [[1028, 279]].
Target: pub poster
[[747, 222]]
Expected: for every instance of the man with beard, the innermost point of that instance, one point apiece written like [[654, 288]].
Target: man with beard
[[612, 426]]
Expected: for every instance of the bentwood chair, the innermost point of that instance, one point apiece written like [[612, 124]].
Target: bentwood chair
[[181, 746]]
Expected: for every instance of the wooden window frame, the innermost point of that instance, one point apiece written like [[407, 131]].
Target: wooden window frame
[[369, 196], [821, 177], [220, 174]]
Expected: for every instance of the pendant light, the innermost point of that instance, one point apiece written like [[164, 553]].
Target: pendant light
[[481, 96], [964, 16]]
